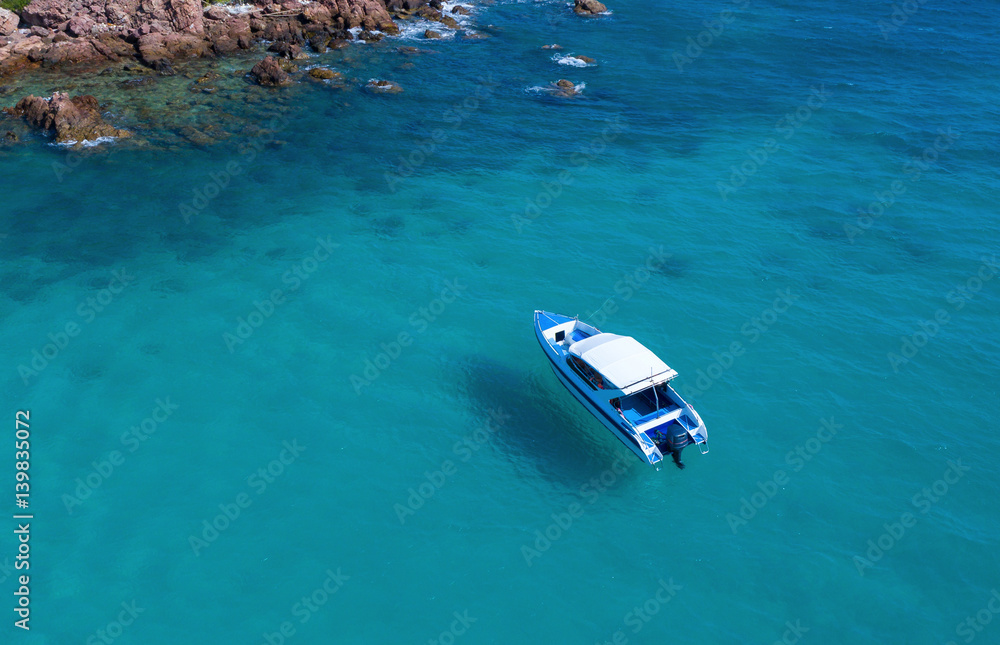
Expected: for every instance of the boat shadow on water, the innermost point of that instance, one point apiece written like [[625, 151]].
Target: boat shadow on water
[[544, 429]]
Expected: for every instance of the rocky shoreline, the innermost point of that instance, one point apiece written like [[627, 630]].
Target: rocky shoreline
[[159, 36], [157, 33]]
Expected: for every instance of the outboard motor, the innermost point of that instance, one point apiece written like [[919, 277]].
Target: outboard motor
[[673, 441]]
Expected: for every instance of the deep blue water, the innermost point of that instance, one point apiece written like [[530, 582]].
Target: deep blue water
[[797, 212]]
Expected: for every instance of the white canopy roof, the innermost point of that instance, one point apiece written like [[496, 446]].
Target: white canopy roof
[[622, 360]]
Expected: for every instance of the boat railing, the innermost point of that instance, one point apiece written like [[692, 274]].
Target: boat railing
[[646, 443]]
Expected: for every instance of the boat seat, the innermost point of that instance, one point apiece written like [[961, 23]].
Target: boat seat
[[578, 335], [651, 420], [673, 414]]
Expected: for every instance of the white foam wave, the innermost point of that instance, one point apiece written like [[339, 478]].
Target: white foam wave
[[414, 29], [236, 8], [572, 61], [86, 143], [553, 89]]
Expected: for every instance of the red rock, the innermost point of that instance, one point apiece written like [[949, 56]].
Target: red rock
[[404, 5], [215, 12], [224, 45], [287, 50], [383, 87], [71, 119], [317, 14], [8, 22], [429, 13], [80, 26], [325, 74], [169, 15], [268, 73], [589, 7]]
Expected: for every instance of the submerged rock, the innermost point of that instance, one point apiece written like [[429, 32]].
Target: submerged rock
[[133, 83], [585, 59], [429, 13], [72, 120], [553, 46], [383, 87], [325, 74], [320, 42], [564, 88], [589, 7], [268, 73], [430, 33], [460, 10]]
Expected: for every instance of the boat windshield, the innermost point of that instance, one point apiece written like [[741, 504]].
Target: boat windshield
[[588, 373]]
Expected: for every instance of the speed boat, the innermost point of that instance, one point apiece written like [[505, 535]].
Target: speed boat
[[624, 385]]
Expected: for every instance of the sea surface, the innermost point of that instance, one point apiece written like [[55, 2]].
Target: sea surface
[[278, 354]]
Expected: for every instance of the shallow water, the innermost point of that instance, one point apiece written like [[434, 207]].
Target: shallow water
[[674, 206]]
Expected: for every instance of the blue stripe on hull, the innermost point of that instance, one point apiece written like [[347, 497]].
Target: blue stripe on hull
[[599, 414]]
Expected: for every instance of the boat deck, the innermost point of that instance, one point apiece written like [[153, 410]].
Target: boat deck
[[640, 409]]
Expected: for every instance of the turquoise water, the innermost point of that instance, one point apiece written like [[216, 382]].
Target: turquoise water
[[352, 310]]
